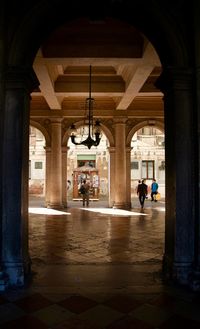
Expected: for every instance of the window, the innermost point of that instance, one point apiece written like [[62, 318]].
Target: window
[[134, 165], [29, 173], [162, 165], [87, 160], [86, 163], [147, 169], [38, 165]]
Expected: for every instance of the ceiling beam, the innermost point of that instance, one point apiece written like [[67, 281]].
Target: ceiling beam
[[46, 86], [139, 76]]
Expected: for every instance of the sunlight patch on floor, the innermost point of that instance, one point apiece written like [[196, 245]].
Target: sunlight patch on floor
[[47, 211], [115, 212], [160, 208]]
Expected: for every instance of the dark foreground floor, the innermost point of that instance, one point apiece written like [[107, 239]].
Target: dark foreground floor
[[98, 268]]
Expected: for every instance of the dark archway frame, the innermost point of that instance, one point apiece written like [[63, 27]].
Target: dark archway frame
[[31, 28]]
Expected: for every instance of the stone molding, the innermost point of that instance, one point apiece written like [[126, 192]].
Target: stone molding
[[173, 78], [21, 78]]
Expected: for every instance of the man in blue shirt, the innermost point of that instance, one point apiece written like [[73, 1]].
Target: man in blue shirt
[[154, 190]]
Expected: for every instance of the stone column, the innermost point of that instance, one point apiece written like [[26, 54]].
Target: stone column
[[48, 176], [179, 156], [56, 166], [111, 178], [196, 275], [3, 278], [64, 175], [128, 176], [15, 158], [120, 164]]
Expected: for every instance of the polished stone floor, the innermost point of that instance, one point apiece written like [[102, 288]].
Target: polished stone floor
[[98, 267]]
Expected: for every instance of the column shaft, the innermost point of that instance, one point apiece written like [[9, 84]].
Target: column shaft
[[120, 165], [15, 256], [179, 138], [111, 177], [128, 177], [56, 166], [196, 274], [64, 175], [48, 176]]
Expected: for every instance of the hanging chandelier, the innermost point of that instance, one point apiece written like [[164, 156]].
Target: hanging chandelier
[[93, 138]]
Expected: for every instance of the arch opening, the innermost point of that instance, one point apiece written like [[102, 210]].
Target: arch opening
[[119, 100], [148, 159]]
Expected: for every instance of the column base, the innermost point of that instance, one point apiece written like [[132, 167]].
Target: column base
[[14, 274], [65, 205], [3, 281], [195, 280], [167, 266], [182, 272], [122, 205], [55, 206], [177, 272]]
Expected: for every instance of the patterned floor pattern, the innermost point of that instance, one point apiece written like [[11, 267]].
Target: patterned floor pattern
[[98, 268], [38, 311]]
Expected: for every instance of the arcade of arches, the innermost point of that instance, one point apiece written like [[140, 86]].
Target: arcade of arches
[[145, 73], [147, 161]]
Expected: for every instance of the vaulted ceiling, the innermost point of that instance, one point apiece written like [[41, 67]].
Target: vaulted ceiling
[[125, 67]]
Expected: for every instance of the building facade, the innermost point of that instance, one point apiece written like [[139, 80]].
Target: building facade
[[147, 159]]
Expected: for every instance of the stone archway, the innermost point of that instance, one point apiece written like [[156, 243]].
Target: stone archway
[[141, 124], [148, 155], [176, 84]]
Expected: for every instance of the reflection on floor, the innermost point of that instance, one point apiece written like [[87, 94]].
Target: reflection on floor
[[98, 268]]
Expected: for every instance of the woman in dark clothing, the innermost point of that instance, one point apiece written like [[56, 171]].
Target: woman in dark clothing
[[142, 192]]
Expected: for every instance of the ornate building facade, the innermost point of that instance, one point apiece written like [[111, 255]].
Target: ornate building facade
[[147, 162]]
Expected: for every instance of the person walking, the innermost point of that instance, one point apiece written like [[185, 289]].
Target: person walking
[[84, 190], [154, 190], [136, 188], [142, 192]]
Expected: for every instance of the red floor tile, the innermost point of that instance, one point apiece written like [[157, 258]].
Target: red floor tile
[[123, 304], [25, 322], [33, 303], [77, 304]]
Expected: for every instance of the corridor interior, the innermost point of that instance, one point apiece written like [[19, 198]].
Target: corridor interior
[[98, 267]]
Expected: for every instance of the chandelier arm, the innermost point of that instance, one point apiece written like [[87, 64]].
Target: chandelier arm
[[89, 142]]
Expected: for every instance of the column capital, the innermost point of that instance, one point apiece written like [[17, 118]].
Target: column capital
[[21, 78], [129, 149], [111, 149], [47, 148], [119, 120], [56, 120], [65, 149], [175, 78]]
